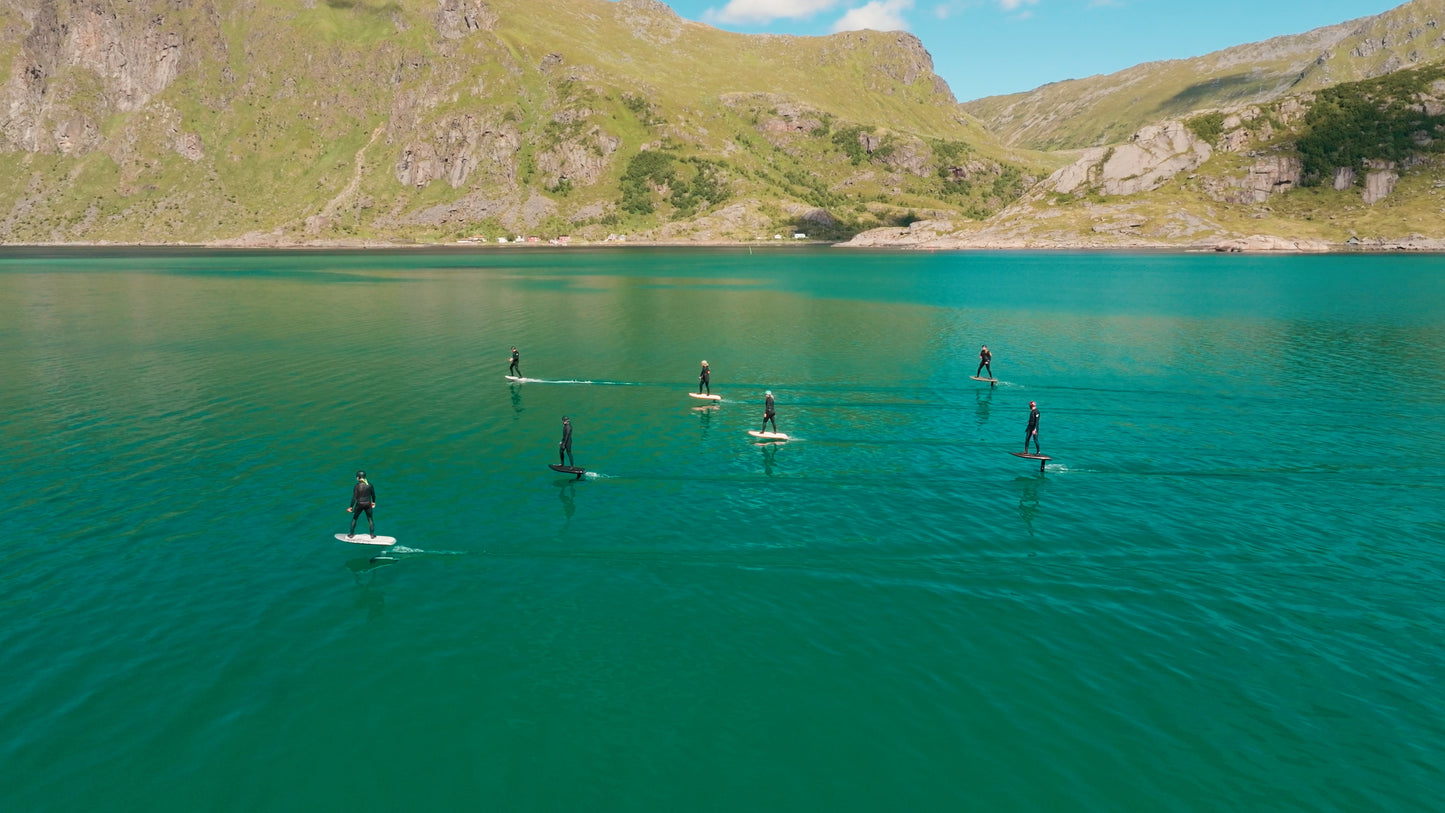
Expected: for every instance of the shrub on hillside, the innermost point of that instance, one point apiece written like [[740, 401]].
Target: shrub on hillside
[[1382, 119], [1207, 127], [647, 170]]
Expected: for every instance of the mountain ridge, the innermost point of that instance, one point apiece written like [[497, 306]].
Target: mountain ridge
[[435, 119], [1103, 109], [326, 122]]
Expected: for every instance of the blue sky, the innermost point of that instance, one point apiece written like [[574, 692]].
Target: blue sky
[[988, 47]]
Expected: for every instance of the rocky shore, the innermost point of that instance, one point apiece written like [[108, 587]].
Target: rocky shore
[[900, 239]]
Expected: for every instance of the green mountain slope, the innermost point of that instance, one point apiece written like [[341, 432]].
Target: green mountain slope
[[1102, 110], [257, 121], [1356, 164]]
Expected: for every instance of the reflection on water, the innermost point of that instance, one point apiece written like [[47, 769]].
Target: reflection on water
[[1029, 490], [770, 451], [867, 601], [704, 417], [369, 597], [568, 496]]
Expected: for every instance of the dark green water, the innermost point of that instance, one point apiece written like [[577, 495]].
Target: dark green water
[[1226, 592]]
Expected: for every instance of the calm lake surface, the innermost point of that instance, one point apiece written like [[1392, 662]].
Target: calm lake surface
[[1225, 592]]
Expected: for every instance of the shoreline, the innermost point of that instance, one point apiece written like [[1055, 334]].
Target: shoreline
[[1266, 246]]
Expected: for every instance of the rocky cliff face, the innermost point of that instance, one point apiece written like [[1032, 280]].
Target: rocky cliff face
[[455, 148], [457, 18], [899, 56], [254, 121], [221, 117], [1152, 156], [1380, 181], [1270, 175], [79, 63]]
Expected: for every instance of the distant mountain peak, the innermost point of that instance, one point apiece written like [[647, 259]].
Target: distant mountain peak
[[1106, 109]]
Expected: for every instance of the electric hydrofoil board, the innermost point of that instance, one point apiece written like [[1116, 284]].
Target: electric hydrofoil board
[[1039, 457], [367, 539]]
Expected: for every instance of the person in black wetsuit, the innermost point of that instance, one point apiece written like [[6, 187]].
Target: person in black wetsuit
[[363, 498], [516, 368], [564, 449], [704, 380], [768, 414], [984, 357], [1032, 432]]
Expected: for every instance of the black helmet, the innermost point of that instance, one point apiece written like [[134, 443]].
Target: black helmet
[[361, 475]]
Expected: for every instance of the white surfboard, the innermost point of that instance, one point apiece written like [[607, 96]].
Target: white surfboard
[[705, 397], [367, 539], [981, 378], [515, 378], [768, 435]]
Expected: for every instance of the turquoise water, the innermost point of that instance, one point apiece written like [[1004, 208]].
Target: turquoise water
[[1225, 592]]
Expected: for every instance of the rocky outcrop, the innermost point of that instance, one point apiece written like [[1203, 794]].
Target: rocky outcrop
[[1234, 140], [457, 18], [651, 21], [1270, 175], [791, 118], [1415, 242], [516, 212], [810, 216], [910, 155], [896, 55], [784, 125], [1154, 155], [1245, 127], [1344, 178], [1380, 181], [1265, 243], [132, 60], [75, 134], [898, 153], [137, 60], [459, 146], [579, 160], [916, 234], [1115, 227], [972, 170]]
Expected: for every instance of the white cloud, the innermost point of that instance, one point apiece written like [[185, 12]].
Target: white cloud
[[1010, 5], [765, 11], [879, 15]]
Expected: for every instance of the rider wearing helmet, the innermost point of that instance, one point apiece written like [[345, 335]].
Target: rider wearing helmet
[[564, 448]]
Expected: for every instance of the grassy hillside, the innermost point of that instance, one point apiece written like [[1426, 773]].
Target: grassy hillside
[[285, 121], [1103, 110], [1357, 161]]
